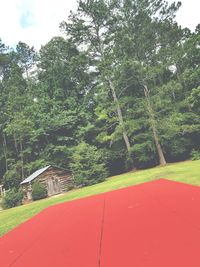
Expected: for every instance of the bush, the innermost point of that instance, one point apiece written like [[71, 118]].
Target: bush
[[12, 177], [12, 199], [39, 191], [88, 165], [195, 155]]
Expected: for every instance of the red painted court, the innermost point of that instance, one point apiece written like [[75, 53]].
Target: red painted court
[[155, 224]]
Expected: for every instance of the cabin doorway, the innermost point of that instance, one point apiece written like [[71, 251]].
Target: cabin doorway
[[53, 186]]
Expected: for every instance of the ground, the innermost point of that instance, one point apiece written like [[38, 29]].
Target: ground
[[187, 172]]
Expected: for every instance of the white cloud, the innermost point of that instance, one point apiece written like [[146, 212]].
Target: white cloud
[[188, 14], [42, 19], [35, 22]]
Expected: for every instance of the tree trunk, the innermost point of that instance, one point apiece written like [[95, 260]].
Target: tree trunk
[[5, 150], [15, 142], [116, 101], [119, 113], [153, 125], [21, 156]]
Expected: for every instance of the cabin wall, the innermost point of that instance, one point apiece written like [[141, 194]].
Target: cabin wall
[[64, 178], [55, 180]]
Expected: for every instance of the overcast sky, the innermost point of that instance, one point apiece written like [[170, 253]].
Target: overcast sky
[[35, 22]]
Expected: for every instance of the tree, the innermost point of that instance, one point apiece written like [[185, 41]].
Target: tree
[[91, 28], [4, 59], [194, 99], [141, 21], [26, 57], [88, 165]]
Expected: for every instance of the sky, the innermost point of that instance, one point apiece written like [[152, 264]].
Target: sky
[[35, 22]]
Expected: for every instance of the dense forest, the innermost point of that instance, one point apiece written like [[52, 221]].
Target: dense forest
[[119, 91]]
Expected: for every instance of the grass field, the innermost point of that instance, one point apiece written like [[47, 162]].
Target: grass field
[[188, 172]]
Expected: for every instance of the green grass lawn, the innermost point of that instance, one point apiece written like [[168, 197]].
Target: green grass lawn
[[188, 172]]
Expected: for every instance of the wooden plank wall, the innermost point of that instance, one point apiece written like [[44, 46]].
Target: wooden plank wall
[[65, 178]]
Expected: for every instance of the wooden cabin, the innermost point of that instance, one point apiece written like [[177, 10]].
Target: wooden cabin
[[56, 180]]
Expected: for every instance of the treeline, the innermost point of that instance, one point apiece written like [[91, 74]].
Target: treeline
[[120, 91]]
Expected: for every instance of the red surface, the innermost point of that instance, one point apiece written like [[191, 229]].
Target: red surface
[[156, 224]]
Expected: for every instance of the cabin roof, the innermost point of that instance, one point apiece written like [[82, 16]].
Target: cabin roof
[[35, 174], [38, 172]]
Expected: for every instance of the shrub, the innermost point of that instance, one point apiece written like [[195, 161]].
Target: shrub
[[88, 165], [39, 191], [195, 154], [12, 177], [12, 199]]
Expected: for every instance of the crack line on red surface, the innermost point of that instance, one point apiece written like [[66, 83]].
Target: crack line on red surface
[[101, 233], [35, 240]]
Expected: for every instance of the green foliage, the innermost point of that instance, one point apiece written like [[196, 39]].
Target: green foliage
[[12, 177], [194, 99], [39, 191], [144, 154], [35, 165], [26, 56], [88, 165], [195, 154], [90, 86], [12, 199]]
